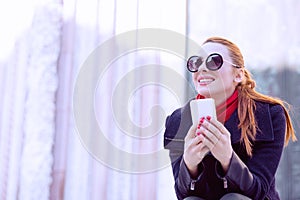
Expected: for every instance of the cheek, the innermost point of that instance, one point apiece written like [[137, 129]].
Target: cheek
[[226, 78], [226, 74], [194, 77]]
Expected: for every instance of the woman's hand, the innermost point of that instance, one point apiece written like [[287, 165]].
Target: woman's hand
[[217, 138], [194, 150]]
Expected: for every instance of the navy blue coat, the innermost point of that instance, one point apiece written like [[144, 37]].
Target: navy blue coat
[[251, 176]]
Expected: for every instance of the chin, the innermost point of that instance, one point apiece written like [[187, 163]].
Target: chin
[[203, 92]]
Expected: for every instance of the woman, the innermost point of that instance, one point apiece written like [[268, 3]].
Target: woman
[[236, 155]]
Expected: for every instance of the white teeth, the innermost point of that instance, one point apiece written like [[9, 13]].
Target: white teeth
[[206, 80]]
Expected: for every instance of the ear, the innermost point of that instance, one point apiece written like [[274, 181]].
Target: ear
[[239, 75]]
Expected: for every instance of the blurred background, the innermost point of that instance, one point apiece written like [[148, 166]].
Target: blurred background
[[43, 46]]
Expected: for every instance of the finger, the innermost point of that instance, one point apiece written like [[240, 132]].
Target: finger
[[207, 142], [219, 126], [199, 125], [191, 132], [191, 143], [213, 137], [202, 150], [211, 129], [195, 146], [196, 141], [200, 146]]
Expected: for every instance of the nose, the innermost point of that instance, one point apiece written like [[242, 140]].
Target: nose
[[202, 68]]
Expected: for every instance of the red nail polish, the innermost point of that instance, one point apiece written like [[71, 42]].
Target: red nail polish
[[208, 118], [199, 126], [201, 120], [198, 133]]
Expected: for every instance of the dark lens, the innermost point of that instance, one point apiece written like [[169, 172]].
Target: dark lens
[[214, 62], [194, 63]]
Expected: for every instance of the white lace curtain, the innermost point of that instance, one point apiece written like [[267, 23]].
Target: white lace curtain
[[42, 154]]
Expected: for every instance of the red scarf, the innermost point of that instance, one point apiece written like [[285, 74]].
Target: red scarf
[[225, 110]]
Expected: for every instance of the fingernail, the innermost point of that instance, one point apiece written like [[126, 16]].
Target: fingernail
[[208, 118], [199, 126], [198, 133], [202, 120]]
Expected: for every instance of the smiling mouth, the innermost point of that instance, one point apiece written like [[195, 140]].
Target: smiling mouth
[[205, 81]]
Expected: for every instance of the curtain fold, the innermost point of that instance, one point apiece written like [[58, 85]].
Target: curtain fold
[[39, 109]]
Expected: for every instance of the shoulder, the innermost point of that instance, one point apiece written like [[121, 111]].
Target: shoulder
[[176, 115], [265, 106], [177, 124], [268, 110], [181, 113], [270, 119], [172, 123]]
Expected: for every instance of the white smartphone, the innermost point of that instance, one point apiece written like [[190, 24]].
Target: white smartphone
[[202, 108]]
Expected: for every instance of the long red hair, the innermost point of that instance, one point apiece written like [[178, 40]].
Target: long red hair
[[247, 97]]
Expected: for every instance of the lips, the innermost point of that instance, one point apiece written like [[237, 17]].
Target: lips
[[205, 80]]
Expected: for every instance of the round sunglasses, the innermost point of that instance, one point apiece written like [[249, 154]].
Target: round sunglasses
[[213, 62]]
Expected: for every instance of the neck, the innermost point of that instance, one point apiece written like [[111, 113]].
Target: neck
[[220, 99]]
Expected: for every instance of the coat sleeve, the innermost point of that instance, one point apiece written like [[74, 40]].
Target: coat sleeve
[[174, 142], [175, 146], [257, 174]]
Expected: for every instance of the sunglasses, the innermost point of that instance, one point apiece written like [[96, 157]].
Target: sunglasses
[[213, 62]]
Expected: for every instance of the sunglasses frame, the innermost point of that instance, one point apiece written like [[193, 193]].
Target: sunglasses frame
[[220, 56]]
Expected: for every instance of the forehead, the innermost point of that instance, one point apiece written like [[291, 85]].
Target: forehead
[[211, 47]]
